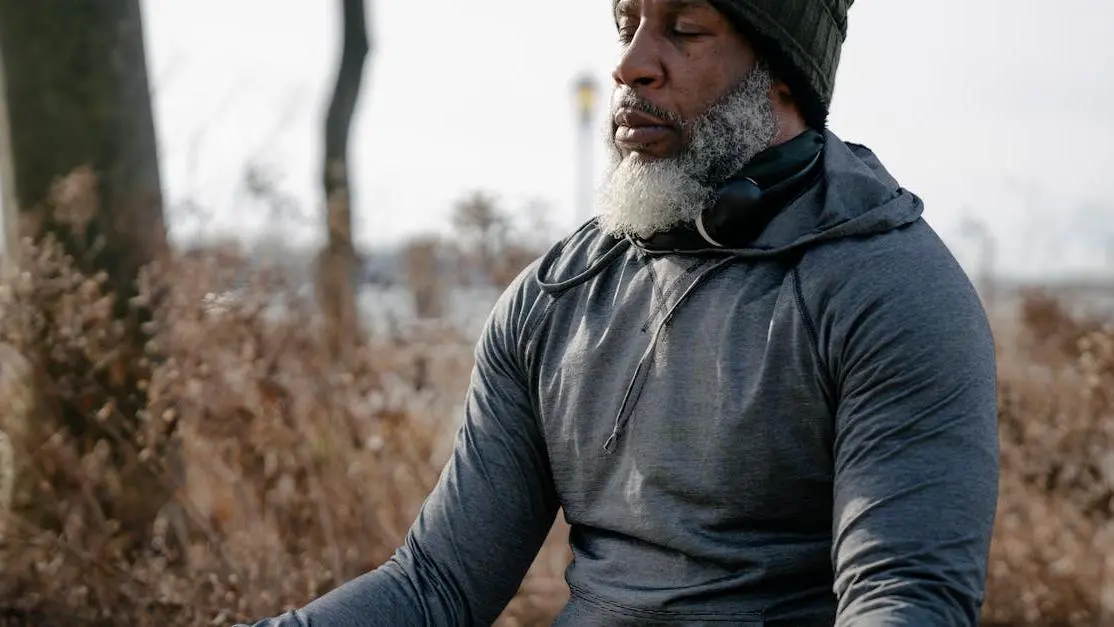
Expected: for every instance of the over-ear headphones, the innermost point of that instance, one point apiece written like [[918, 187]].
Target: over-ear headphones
[[743, 207], [746, 204]]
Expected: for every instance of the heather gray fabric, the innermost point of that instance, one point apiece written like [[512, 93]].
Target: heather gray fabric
[[799, 433]]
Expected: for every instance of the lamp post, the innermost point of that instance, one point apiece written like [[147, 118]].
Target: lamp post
[[586, 93]]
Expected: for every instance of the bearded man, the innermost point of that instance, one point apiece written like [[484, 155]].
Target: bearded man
[[758, 384]]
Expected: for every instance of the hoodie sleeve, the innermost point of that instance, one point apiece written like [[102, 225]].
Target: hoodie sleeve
[[484, 522], [916, 449]]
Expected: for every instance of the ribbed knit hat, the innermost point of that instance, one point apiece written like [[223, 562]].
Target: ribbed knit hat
[[801, 40]]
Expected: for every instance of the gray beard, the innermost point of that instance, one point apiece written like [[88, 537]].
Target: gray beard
[[643, 196]]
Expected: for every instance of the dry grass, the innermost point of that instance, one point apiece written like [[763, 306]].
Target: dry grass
[[292, 473], [1053, 552]]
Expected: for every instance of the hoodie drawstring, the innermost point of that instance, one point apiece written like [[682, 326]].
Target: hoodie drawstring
[[634, 388]]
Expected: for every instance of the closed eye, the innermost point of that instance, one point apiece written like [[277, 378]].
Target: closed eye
[[688, 34]]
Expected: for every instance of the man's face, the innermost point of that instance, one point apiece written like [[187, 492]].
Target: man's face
[[691, 107], [678, 58]]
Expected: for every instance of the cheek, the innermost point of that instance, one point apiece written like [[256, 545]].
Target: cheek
[[707, 75]]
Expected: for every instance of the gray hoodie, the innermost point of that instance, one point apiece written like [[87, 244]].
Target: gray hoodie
[[801, 432]]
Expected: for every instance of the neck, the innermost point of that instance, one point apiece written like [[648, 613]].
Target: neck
[[790, 125]]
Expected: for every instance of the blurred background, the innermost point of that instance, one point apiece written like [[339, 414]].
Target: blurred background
[[249, 245]]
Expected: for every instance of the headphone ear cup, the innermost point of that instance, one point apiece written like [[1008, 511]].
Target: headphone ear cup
[[738, 200]]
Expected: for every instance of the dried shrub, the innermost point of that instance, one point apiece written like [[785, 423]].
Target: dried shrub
[[291, 472], [1052, 561]]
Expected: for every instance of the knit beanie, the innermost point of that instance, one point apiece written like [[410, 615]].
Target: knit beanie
[[801, 41]]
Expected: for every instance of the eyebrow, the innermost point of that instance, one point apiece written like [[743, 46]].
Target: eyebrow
[[624, 7]]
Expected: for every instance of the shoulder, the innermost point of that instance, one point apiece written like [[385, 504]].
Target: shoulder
[[570, 261], [910, 263], [900, 292]]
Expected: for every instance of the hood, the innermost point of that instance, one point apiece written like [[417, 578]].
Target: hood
[[856, 197]]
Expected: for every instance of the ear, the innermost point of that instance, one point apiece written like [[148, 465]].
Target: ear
[[790, 121], [780, 92]]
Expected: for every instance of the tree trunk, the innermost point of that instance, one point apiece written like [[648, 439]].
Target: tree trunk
[[77, 95], [338, 262], [77, 99], [9, 207]]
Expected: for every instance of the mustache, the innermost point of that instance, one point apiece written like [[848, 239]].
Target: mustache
[[627, 99]]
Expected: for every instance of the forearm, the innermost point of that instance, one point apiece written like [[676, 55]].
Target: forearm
[[381, 597], [463, 557]]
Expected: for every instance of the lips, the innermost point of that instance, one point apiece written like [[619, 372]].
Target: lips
[[633, 118], [635, 129]]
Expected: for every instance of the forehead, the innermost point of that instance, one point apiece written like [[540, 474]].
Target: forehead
[[634, 7]]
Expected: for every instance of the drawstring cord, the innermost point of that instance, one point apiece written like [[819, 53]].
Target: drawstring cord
[[634, 388]]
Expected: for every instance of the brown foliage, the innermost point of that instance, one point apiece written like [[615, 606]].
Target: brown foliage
[[293, 473], [1053, 551]]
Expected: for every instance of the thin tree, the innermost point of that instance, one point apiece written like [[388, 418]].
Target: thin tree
[[338, 272], [424, 276]]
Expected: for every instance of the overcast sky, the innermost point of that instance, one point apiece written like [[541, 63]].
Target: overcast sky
[[1000, 109]]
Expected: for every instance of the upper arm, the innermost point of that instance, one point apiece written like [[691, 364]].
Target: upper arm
[[916, 453]]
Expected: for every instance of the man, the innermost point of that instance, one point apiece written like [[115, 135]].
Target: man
[[759, 386]]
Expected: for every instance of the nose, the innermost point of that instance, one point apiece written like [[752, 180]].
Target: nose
[[640, 64]]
